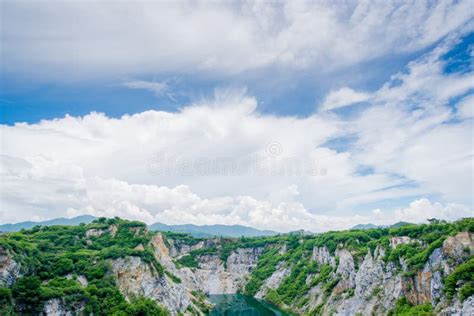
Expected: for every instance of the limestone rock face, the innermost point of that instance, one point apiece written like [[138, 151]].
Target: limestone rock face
[[376, 287], [274, 281], [322, 256], [468, 307], [215, 277], [55, 307], [179, 248], [370, 287], [427, 285], [82, 280], [159, 245], [241, 262], [94, 232], [9, 268], [346, 270], [459, 246], [457, 308], [370, 276], [399, 240], [113, 230], [138, 278]]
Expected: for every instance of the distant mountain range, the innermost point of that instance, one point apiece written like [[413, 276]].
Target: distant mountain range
[[365, 226], [213, 230], [371, 226], [86, 219], [194, 230]]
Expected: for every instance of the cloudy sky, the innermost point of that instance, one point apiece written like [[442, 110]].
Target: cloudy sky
[[286, 115]]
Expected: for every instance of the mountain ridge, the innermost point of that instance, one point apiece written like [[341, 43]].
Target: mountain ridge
[[373, 226], [119, 267], [194, 230], [14, 227]]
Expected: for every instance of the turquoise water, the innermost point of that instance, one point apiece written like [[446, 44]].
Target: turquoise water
[[241, 305]]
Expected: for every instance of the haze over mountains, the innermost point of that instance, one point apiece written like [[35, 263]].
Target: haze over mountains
[[198, 231], [83, 219], [194, 230], [372, 226], [213, 230]]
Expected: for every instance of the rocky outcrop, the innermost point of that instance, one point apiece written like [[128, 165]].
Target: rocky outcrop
[[136, 278], [159, 245], [80, 279], [427, 284], [113, 230], [178, 248], [373, 289], [57, 307], [457, 308], [9, 268], [93, 232], [241, 262], [399, 240], [216, 277], [213, 275], [376, 285], [322, 256], [370, 287], [274, 281], [345, 270], [459, 246]]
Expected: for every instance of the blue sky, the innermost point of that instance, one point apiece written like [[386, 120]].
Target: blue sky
[[26, 100], [378, 96]]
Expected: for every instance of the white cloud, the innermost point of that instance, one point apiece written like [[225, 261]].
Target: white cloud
[[158, 88], [100, 165], [32, 191], [343, 97], [466, 107], [420, 210], [407, 129], [377, 211], [225, 129], [219, 38], [39, 188]]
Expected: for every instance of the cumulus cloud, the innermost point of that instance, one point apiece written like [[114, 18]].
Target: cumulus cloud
[[420, 210], [219, 160], [47, 189], [343, 97], [224, 38], [189, 147], [41, 188]]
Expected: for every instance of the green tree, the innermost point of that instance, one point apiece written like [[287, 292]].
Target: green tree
[[141, 306], [27, 294]]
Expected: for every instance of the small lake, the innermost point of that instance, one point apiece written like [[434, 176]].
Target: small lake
[[241, 305]]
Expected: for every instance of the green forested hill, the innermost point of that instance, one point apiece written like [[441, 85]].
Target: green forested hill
[[47, 263], [48, 254]]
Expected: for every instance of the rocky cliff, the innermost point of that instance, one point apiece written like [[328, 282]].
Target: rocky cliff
[[213, 275], [9, 268], [368, 285], [430, 267]]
